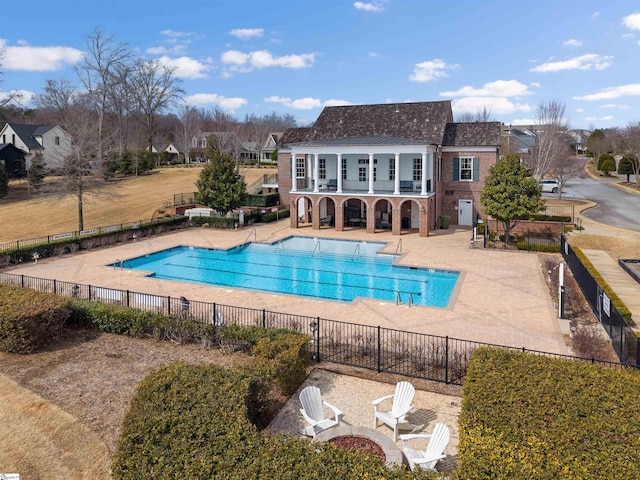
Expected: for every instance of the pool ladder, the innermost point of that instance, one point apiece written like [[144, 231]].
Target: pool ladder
[[356, 251], [255, 237], [399, 298], [316, 248], [399, 248]]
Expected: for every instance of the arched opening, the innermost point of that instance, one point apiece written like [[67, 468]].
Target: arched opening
[[409, 216], [327, 212], [305, 218], [383, 213], [354, 213]]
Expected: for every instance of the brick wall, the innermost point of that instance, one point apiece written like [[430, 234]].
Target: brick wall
[[284, 177], [451, 191]]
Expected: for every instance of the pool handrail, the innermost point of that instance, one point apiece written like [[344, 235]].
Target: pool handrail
[[317, 247], [399, 247], [255, 237], [356, 250]]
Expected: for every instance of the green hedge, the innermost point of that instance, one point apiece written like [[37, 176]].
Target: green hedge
[[620, 306], [114, 318], [194, 422], [265, 200], [215, 222], [530, 417], [29, 319]]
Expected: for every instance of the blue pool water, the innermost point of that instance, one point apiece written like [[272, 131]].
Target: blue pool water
[[311, 267]]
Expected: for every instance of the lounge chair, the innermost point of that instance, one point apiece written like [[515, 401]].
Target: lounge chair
[[401, 405], [428, 458], [384, 220], [313, 412]]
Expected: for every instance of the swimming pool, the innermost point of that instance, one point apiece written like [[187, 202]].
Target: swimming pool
[[311, 267]]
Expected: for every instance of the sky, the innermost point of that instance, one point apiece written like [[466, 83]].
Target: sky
[[295, 57]]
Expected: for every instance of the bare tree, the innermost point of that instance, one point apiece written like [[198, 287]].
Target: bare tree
[[190, 126], [551, 138], [154, 89], [566, 168], [631, 146], [59, 99], [98, 73], [483, 115], [7, 98]]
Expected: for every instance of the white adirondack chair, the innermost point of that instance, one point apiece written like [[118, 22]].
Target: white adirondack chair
[[427, 459], [313, 412], [399, 408]]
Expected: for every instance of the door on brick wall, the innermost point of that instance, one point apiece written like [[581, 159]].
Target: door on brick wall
[[465, 212]]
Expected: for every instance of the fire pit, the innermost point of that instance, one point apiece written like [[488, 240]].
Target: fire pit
[[392, 454]]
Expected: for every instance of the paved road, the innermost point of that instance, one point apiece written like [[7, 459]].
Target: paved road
[[616, 207]]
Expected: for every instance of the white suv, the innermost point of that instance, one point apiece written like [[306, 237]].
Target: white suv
[[549, 186]]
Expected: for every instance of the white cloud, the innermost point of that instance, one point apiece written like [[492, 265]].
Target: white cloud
[[619, 106], [583, 62], [523, 121], [174, 50], [305, 103], [595, 15], [610, 93], [200, 99], [606, 118], [579, 110], [25, 97], [375, 6], [495, 105], [39, 59], [534, 84], [632, 21], [572, 42], [499, 88], [430, 70], [373, 55], [186, 67], [245, 62], [246, 33], [590, 119]]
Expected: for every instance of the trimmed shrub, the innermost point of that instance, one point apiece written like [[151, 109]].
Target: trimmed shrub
[[286, 358], [264, 200], [29, 319], [605, 157], [115, 318], [526, 416], [620, 306], [193, 422]]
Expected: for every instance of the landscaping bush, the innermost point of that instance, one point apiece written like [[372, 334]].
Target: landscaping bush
[[29, 319], [526, 416], [193, 422], [604, 158], [264, 200], [115, 318], [214, 222], [285, 359]]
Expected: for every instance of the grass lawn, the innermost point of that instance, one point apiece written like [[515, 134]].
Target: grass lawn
[[125, 199]]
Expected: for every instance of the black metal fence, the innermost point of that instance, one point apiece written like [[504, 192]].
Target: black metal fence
[[188, 198], [431, 357], [623, 339], [75, 235]]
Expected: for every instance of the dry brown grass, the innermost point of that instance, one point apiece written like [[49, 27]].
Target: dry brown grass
[[40, 440], [131, 198], [616, 247]]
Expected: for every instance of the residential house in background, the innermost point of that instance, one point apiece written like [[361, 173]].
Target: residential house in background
[[578, 142], [53, 141], [228, 142], [269, 146], [388, 166], [13, 160], [517, 138]]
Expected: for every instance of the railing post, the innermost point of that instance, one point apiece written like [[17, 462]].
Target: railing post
[[379, 353], [318, 341], [128, 298], [22, 280], [264, 318], [637, 352], [446, 360], [168, 304], [55, 287]]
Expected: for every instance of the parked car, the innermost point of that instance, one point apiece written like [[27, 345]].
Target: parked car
[[549, 186]]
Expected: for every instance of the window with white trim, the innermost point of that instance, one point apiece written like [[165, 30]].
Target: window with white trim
[[343, 168], [300, 170], [362, 174], [322, 168], [417, 169], [392, 169], [466, 169]]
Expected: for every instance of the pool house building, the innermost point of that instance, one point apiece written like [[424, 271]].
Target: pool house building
[[396, 167]]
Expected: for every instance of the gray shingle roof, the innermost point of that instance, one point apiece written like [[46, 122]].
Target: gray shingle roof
[[294, 135], [28, 132], [472, 134], [373, 140]]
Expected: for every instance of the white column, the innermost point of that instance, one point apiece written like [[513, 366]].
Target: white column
[[370, 173], [339, 176], [423, 183], [396, 180], [294, 172], [316, 173]]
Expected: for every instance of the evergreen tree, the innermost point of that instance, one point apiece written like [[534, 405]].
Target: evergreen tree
[[37, 172], [628, 166], [4, 181], [220, 185], [510, 193]]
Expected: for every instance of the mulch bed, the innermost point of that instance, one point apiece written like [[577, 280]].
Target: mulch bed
[[357, 443]]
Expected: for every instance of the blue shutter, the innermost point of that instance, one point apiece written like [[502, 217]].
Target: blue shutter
[[456, 169], [476, 169]]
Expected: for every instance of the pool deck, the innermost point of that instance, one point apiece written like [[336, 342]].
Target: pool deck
[[500, 298]]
